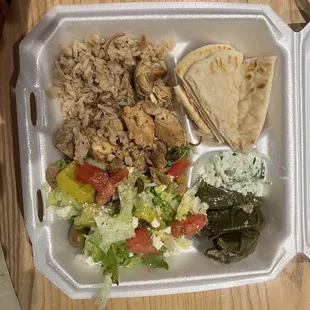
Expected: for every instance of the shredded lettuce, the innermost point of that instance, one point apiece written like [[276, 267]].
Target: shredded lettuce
[[131, 262], [119, 227], [87, 217], [115, 256], [61, 199], [95, 163], [113, 229], [62, 204], [191, 204], [155, 261], [63, 163], [176, 153], [151, 260], [102, 299], [92, 247]]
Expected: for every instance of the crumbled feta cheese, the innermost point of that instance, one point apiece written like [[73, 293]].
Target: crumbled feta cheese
[[155, 223], [157, 243], [87, 259], [247, 208], [135, 222], [166, 230], [131, 169], [243, 173], [130, 254], [166, 254], [64, 213], [175, 246]]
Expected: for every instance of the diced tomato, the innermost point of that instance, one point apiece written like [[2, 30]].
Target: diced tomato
[[84, 172], [99, 180], [179, 168], [87, 173], [177, 229], [103, 198], [190, 226], [119, 176], [141, 243], [108, 190]]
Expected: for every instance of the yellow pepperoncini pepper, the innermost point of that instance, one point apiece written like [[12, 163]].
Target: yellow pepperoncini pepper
[[66, 182], [148, 214]]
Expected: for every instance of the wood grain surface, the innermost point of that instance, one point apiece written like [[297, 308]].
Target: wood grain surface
[[289, 291]]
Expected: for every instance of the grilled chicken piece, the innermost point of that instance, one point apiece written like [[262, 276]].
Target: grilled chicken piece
[[157, 159], [138, 159], [64, 137], [100, 148], [146, 73], [151, 108], [159, 177], [140, 125], [115, 165], [51, 173], [168, 129]]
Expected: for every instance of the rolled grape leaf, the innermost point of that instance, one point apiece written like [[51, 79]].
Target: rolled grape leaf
[[233, 246], [220, 198], [232, 219]]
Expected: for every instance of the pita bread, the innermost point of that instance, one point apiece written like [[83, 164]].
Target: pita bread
[[216, 82], [257, 76], [196, 55], [204, 118], [206, 133], [181, 69]]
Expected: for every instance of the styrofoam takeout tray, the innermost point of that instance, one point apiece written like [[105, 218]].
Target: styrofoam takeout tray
[[255, 30]]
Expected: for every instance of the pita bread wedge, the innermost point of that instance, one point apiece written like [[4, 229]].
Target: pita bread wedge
[[181, 69], [196, 55], [191, 103], [257, 76], [206, 133], [216, 82]]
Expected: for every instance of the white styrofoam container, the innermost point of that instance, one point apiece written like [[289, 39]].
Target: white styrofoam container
[[255, 30]]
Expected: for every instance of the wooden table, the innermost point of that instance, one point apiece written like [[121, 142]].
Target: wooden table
[[288, 292]]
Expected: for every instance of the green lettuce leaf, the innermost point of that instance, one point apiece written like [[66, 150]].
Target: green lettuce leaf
[[102, 299], [96, 253], [113, 229], [131, 262], [59, 198], [119, 227], [155, 261], [190, 203], [127, 195], [110, 263], [63, 213], [86, 217]]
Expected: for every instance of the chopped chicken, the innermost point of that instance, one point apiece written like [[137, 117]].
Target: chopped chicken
[[140, 125], [64, 137], [100, 148], [151, 108], [51, 173], [157, 159], [115, 165], [159, 177], [169, 129], [161, 147], [138, 159]]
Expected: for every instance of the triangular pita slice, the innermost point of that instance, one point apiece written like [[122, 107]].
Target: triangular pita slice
[[257, 76], [181, 69], [216, 82], [207, 135], [196, 55], [199, 114]]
